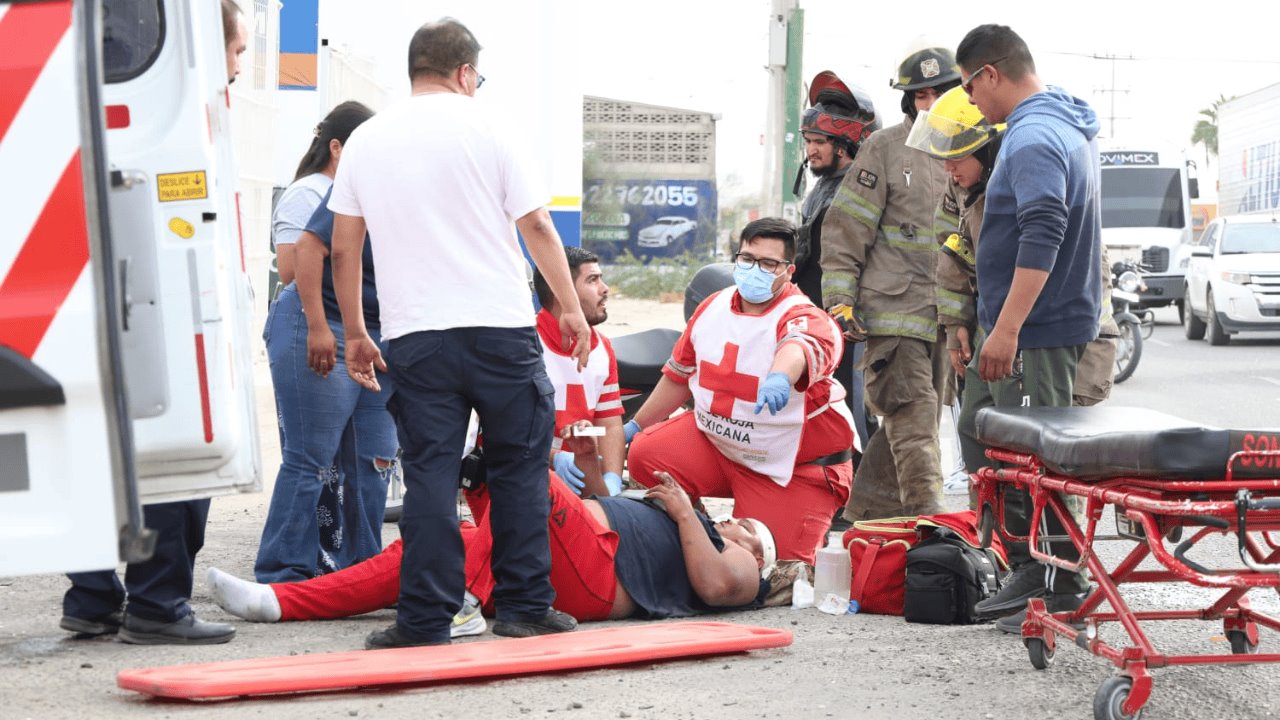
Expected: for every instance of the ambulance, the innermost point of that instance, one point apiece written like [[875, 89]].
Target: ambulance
[[125, 301]]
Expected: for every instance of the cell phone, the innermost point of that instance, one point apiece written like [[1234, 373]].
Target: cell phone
[[592, 431]]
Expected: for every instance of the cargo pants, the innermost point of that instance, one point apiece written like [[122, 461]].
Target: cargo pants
[[1047, 378]]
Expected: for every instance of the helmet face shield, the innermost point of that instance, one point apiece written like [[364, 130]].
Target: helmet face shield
[[826, 121], [953, 128], [946, 139]]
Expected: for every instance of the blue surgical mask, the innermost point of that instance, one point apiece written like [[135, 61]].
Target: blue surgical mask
[[755, 285]]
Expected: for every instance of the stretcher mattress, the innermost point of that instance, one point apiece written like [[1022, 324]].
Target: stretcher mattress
[[1098, 442], [327, 672]]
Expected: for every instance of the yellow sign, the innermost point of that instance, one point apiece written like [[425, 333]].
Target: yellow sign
[[182, 186], [182, 228]]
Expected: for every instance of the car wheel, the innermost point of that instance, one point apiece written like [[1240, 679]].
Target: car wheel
[[1192, 326], [1217, 336]]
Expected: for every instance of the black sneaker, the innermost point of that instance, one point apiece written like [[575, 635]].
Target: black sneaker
[[1026, 582], [393, 637], [553, 622], [184, 631], [108, 625], [1053, 602]]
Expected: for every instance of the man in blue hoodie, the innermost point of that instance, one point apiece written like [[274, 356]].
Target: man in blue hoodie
[[1038, 271]]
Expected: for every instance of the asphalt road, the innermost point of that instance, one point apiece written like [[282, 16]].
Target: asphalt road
[[858, 666]]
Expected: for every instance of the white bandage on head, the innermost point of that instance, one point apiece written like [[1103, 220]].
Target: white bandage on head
[[769, 547]]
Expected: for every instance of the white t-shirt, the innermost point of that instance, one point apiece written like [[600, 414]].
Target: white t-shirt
[[295, 207], [439, 187]]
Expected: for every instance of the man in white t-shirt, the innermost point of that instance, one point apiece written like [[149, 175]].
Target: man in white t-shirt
[[439, 185]]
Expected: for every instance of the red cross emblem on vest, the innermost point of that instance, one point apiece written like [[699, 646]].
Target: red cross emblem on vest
[[726, 383], [575, 407]]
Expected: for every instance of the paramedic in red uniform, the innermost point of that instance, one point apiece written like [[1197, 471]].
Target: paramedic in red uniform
[[591, 394], [769, 425]]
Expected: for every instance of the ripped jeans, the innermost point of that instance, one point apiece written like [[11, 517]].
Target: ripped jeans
[[334, 435]]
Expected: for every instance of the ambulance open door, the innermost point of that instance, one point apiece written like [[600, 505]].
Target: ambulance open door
[[175, 207], [67, 498]]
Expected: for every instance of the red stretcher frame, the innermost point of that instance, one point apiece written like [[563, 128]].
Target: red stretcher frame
[[327, 672], [1160, 508]]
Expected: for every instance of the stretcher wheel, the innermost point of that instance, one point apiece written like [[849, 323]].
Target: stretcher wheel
[[1040, 653], [1110, 698], [1240, 644], [986, 526]]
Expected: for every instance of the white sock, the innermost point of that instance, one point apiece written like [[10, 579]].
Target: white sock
[[252, 601]]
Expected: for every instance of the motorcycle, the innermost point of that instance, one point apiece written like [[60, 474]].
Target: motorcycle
[[1134, 322]]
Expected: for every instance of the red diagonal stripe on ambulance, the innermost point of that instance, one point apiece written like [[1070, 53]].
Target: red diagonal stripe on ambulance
[[47, 267], [28, 35]]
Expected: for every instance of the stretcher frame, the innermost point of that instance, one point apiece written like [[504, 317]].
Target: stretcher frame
[[1158, 510]]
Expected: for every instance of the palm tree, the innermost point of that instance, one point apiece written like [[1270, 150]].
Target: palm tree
[[1206, 129]]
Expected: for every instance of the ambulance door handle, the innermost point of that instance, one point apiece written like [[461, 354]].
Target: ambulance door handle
[[126, 179], [126, 297]]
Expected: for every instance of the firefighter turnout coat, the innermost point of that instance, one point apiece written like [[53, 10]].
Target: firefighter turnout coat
[[880, 248]]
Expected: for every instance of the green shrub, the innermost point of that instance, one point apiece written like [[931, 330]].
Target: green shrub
[[634, 277]]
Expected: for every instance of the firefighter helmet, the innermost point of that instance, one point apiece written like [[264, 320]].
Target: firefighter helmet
[[838, 111], [930, 67], [953, 128]]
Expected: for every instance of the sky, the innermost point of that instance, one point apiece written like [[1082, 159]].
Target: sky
[[710, 55]]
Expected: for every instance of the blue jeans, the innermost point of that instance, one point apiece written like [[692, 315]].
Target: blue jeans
[[440, 377], [333, 433]]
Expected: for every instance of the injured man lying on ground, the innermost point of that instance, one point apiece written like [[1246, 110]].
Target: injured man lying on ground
[[611, 558]]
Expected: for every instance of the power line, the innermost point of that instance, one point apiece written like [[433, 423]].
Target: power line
[[1177, 58]]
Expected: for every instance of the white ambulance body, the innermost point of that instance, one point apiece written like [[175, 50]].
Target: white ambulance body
[[125, 301]]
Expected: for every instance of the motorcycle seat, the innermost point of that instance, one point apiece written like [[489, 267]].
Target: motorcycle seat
[[1099, 442], [641, 356]]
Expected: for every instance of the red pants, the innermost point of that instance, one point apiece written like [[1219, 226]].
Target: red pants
[[799, 514], [582, 573]]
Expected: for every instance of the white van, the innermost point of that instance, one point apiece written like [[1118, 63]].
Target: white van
[[1146, 215]]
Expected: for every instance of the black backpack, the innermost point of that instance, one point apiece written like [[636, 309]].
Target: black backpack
[[946, 576]]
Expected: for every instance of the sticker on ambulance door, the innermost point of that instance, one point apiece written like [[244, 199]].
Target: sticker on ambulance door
[[182, 186]]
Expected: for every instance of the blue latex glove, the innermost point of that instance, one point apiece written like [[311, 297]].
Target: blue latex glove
[[613, 481], [568, 471], [630, 429], [775, 391]]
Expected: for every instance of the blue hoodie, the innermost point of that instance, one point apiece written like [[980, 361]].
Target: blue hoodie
[[1043, 212]]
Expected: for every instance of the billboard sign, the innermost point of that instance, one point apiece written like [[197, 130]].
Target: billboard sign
[[648, 218]]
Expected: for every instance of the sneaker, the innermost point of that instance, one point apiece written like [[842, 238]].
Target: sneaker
[[957, 483], [553, 622], [184, 631], [108, 625], [1026, 582], [1053, 602], [468, 621], [392, 637]]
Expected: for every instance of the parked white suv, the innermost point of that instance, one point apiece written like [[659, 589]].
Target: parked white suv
[[1233, 279]]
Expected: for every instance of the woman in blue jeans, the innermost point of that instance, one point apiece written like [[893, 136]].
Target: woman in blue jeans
[[338, 442]]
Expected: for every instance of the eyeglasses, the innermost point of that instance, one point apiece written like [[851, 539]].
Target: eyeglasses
[[479, 77], [968, 84], [769, 265]]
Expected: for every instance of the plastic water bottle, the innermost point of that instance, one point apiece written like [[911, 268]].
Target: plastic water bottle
[[832, 577]]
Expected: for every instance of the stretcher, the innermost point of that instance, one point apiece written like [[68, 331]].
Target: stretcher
[[1171, 484], [328, 672]]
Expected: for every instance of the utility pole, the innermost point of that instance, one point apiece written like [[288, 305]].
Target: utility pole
[[1112, 90], [782, 123]]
